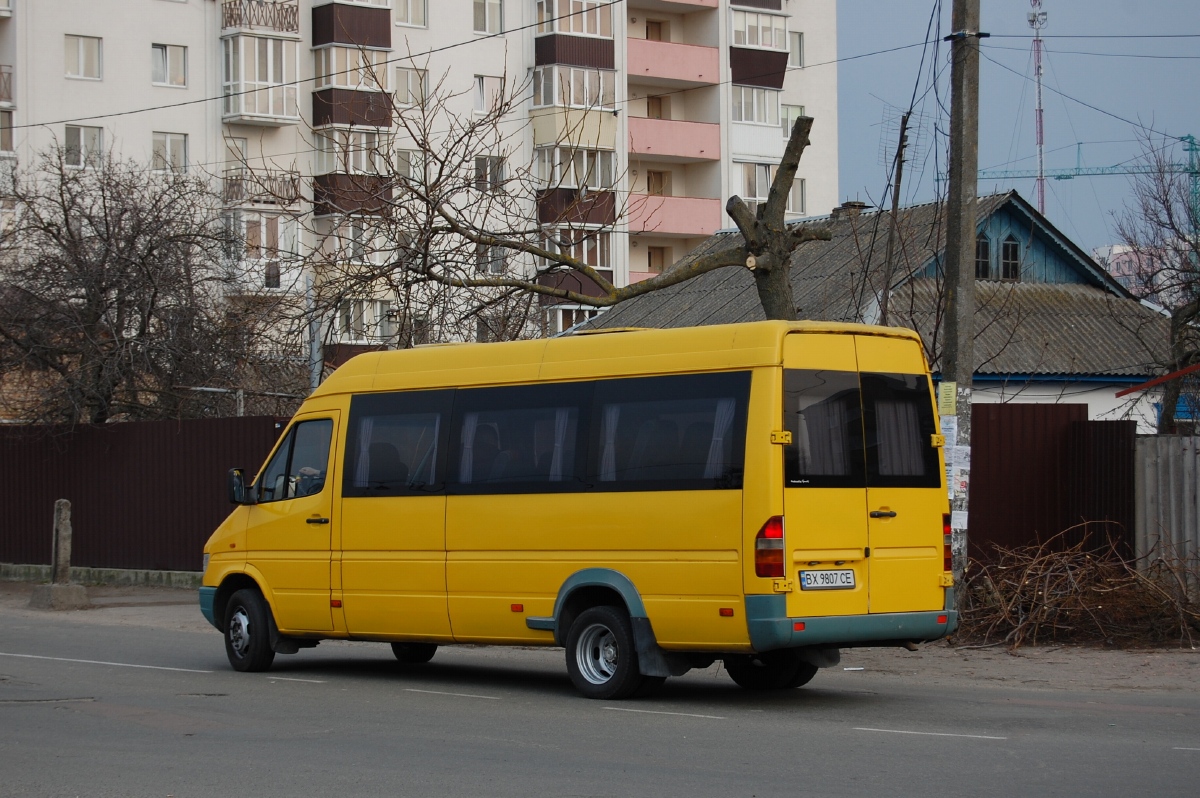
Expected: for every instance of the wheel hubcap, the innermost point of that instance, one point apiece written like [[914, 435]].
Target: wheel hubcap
[[239, 631], [597, 654]]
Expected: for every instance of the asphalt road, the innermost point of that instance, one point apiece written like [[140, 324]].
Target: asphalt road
[[90, 708]]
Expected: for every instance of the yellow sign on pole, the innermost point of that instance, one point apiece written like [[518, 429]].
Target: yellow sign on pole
[[948, 399]]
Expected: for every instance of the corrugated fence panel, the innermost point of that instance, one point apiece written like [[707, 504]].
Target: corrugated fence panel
[[143, 495], [1168, 497]]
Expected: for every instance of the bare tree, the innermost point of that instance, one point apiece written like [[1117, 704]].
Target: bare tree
[[115, 293], [1161, 229]]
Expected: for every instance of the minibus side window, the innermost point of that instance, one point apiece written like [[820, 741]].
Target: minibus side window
[[670, 433], [519, 439], [299, 465], [823, 412], [396, 443], [898, 419]]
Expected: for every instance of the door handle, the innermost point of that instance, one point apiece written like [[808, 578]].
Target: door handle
[[883, 513], [326, 520]]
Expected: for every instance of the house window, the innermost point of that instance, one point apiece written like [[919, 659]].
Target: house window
[[563, 167], [574, 87], [259, 76], [83, 145], [757, 105], [489, 259], [6, 131], [351, 68], [411, 86], [410, 12], [488, 16], [795, 49], [581, 17], [1010, 259], [788, 114], [751, 29], [170, 152], [489, 93], [489, 173], [983, 257], [82, 55], [348, 152], [410, 165], [168, 65]]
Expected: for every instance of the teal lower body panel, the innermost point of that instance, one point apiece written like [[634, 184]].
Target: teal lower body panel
[[771, 628], [208, 597]]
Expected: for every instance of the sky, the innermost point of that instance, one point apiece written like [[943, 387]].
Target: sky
[[1144, 78]]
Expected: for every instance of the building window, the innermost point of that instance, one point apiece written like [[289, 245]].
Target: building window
[[6, 131], [410, 165], [796, 197], [271, 274], [489, 259], [351, 68], [582, 17], [411, 86], [168, 65], [489, 93], [983, 257], [83, 145], [563, 167], [574, 87], [788, 114], [756, 180], [82, 57], [588, 246], [348, 152], [756, 105], [170, 152], [561, 318], [258, 77], [1010, 259], [795, 49], [751, 29], [410, 12], [657, 259], [658, 183], [488, 16], [489, 173]]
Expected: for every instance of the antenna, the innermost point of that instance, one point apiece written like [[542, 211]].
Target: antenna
[[1037, 21]]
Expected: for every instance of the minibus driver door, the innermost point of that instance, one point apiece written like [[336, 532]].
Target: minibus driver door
[[288, 530]]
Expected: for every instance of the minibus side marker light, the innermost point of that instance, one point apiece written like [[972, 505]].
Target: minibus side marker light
[[335, 602], [518, 608], [726, 612], [798, 626], [942, 619]]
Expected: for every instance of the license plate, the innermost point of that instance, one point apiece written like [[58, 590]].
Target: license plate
[[827, 580]]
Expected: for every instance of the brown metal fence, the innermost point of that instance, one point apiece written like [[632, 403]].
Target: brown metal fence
[[143, 495], [1039, 470]]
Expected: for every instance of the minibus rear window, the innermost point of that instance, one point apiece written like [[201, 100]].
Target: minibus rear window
[[898, 421], [823, 411]]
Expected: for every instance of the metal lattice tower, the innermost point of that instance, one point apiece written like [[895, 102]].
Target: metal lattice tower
[[1037, 21]]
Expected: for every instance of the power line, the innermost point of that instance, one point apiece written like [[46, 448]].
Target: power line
[[1103, 55]]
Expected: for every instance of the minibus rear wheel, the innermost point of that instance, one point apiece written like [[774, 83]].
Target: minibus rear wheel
[[601, 657], [247, 638], [414, 653], [770, 670]]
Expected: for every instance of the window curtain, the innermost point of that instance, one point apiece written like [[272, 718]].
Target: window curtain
[[899, 439], [362, 468], [715, 465], [562, 418], [608, 459], [466, 464], [824, 447]]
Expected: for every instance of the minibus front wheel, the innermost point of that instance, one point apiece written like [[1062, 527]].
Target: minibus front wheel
[[247, 632], [601, 657]]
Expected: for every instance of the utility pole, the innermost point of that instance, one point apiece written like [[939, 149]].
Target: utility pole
[[954, 397]]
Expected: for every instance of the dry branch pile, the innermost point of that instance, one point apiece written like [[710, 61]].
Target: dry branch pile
[[1042, 594]]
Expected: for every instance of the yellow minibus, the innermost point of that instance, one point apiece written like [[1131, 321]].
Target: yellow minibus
[[764, 494]]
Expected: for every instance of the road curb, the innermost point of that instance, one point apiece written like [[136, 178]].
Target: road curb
[[104, 576]]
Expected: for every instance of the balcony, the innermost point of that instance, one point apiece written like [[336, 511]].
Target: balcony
[[241, 186], [676, 217], [6, 85], [672, 140], [351, 194], [672, 65], [280, 16]]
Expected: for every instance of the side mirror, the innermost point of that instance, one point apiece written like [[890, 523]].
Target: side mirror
[[238, 493]]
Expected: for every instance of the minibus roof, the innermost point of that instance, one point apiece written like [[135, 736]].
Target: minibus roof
[[600, 353]]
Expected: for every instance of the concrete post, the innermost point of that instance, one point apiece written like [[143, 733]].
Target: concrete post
[[60, 594]]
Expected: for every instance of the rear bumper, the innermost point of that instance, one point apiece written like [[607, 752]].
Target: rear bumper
[[771, 628], [208, 597]]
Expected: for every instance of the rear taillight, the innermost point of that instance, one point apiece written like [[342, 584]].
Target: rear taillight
[[768, 548], [947, 562]]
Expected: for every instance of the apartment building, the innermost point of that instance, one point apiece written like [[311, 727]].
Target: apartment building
[[672, 107]]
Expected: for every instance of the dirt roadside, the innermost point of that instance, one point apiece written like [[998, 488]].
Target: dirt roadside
[[1032, 667]]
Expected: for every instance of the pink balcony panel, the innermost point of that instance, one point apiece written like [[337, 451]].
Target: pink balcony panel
[[674, 216], [669, 140], [670, 64]]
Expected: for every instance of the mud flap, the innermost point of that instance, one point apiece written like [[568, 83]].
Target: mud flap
[[821, 657], [652, 659]]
